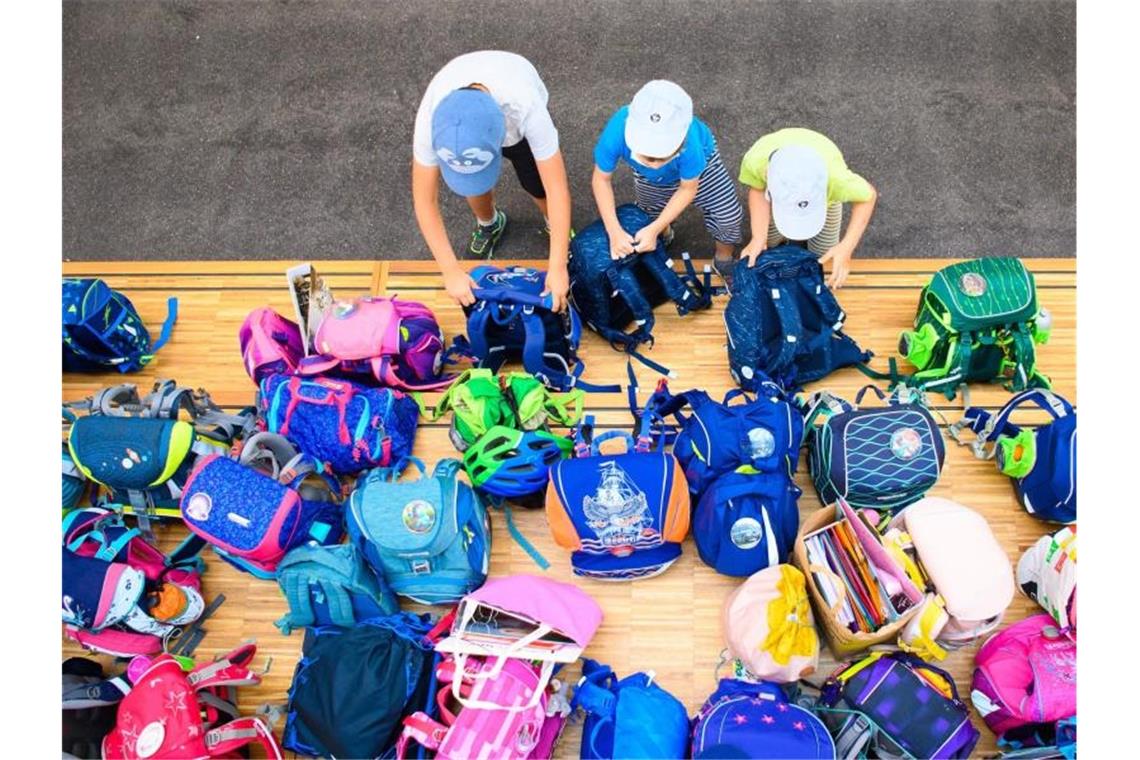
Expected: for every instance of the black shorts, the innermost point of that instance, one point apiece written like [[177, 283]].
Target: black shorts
[[525, 167]]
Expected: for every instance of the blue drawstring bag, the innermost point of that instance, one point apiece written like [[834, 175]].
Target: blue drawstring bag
[[630, 717]]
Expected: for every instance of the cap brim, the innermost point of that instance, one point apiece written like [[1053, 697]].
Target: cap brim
[[478, 183], [799, 224]]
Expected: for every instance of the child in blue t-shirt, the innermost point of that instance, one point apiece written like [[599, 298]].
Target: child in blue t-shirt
[[675, 163]]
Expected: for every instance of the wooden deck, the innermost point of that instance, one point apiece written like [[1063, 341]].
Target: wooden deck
[[671, 623]]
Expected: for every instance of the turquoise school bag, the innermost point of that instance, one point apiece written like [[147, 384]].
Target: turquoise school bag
[[330, 585], [102, 330]]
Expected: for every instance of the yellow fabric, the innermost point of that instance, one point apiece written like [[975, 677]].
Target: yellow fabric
[[924, 644], [843, 185], [791, 632], [181, 437]]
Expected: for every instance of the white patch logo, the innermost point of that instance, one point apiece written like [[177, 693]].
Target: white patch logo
[[198, 506], [470, 161]]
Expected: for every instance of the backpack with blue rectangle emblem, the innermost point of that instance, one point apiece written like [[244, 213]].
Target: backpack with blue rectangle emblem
[[102, 330], [1041, 460], [330, 585], [512, 321], [883, 458], [610, 295], [430, 538], [784, 323], [631, 717], [757, 720]]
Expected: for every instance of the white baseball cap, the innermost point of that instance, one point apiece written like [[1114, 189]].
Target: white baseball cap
[[659, 118], [797, 187]]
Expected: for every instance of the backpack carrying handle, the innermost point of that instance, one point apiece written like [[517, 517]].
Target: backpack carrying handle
[[610, 435], [479, 704], [869, 387], [511, 296], [225, 740]]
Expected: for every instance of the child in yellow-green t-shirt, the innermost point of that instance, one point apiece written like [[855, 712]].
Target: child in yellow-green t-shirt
[[798, 183]]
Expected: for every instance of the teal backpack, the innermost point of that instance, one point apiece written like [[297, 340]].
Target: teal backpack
[[102, 330], [330, 585], [429, 538]]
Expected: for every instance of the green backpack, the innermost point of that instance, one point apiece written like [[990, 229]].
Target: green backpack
[[977, 321]]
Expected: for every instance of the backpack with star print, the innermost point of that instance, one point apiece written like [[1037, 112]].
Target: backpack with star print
[[756, 720]]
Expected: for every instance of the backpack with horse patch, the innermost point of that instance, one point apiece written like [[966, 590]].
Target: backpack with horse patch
[[511, 321], [623, 516], [430, 538], [784, 323], [881, 458], [631, 717], [255, 508], [609, 295], [102, 330], [141, 450], [188, 711], [756, 720], [330, 585], [344, 426], [1042, 460], [395, 343], [978, 321]]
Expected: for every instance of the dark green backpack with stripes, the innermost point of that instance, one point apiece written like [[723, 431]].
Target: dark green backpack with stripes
[[978, 321]]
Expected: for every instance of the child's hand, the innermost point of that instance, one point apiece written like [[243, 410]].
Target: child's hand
[[621, 243], [645, 239], [458, 285], [840, 257], [755, 247], [558, 285]]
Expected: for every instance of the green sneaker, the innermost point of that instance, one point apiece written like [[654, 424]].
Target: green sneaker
[[546, 230], [484, 238]]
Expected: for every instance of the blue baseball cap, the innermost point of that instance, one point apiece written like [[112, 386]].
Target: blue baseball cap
[[467, 130]]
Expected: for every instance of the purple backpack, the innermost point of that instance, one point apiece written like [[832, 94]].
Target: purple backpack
[[345, 427], [270, 344], [395, 343], [756, 720]]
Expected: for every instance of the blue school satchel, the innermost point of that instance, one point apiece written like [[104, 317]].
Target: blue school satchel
[[756, 720], [630, 717], [102, 330]]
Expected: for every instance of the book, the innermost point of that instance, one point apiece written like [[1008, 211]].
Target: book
[[312, 300]]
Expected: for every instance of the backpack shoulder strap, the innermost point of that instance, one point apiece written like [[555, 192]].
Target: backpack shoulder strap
[[296, 592], [226, 740], [791, 328]]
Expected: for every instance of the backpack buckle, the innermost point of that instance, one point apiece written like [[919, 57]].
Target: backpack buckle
[[421, 566]]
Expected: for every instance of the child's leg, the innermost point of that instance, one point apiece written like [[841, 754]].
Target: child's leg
[[829, 235], [526, 169], [774, 236], [483, 207], [718, 201]]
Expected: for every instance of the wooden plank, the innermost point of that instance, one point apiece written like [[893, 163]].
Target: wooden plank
[[670, 624]]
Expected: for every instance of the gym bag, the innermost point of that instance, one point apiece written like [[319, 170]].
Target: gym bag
[[270, 344], [102, 330], [761, 435], [1042, 460], [623, 516], [756, 720], [344, 426], [142, 450], [631, 717], [1047, 574], [1026, 675], [395, 343], [768, 626], [609, 294], [882, 458], [893, 704], [353, 687], [254, 509], [977, 321], [511, 321], [188, 712], [784, 323], [330, 585], [430, 538]]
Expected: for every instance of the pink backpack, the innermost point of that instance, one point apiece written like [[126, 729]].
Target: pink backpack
[[270, 344], [165, 715], [1026, 674], [396, 343]]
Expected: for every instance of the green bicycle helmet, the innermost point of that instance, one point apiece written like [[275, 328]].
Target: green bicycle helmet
[[512, 463]]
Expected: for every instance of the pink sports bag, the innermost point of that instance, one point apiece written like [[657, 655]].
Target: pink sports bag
[[1026, 674], [397, 343]]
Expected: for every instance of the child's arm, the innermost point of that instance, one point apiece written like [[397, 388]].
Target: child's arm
[[425, 200], [553, 173], [759, 217], [646, 237], [841, 253], [621, 243]]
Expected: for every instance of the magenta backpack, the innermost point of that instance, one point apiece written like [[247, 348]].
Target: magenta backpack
[[1026, 674], [270, 344], [396, 343]]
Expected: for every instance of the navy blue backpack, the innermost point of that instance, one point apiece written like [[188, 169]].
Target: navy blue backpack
[[783, 322], [630, 717], [102, 330], [742, 719], [610, 295], [1041, 460]]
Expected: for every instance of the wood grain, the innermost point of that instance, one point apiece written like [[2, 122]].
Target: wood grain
[[670, 624]]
